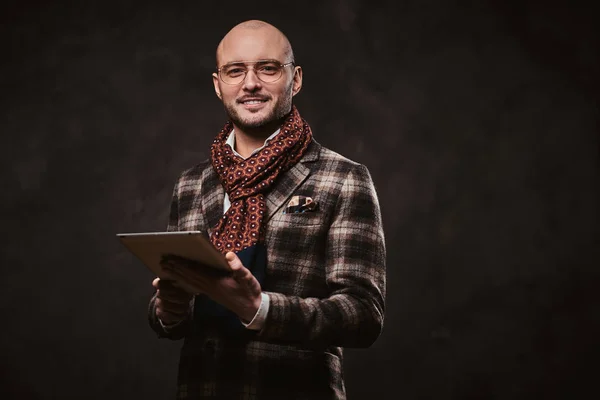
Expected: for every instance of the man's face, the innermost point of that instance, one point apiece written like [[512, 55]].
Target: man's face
[[254, 103]]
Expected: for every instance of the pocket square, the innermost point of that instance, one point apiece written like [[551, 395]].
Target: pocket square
[[300, 204]]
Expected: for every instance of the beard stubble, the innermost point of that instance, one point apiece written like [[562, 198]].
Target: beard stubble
[[281, 109]]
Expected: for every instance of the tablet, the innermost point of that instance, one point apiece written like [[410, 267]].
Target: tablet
[[152, 247]]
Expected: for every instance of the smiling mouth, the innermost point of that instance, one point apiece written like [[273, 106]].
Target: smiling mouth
[[253, 101]]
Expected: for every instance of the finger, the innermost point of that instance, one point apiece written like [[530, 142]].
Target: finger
[[168, 286], [235, 264], [240, 273], [194, 284], [168, 274], [165, 285], [179, 297], [168, 316], [179, 275], [204, 277], [173, 308]]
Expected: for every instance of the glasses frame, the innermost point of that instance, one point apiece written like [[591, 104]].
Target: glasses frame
[[245, 63]]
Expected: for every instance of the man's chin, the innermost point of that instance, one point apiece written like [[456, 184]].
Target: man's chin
[[254, 119], [252, 124]]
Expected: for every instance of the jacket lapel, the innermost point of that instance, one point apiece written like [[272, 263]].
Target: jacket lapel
[[286, 184], [213, 195]]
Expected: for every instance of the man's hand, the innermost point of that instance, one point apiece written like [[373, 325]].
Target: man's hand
[[172, 303], [240, 292]]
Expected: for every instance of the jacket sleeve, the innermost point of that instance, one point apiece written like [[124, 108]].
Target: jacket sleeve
[[353, 314], [179, 330]]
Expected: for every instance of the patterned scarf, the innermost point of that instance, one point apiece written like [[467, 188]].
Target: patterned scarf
[[247, 181], [241, 229]]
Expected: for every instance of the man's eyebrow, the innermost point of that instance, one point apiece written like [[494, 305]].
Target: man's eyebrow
[[256, 61]]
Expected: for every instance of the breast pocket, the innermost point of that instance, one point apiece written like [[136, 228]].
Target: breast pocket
[[311, 218], [297, 239]]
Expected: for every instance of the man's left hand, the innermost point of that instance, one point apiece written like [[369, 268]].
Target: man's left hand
[[240, 292]]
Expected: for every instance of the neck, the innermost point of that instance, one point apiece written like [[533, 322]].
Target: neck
[[249, 139]]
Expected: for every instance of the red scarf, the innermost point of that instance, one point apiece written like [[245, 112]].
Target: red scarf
[[247, 181]]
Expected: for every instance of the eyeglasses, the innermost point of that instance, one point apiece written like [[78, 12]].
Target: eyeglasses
[[268, 71]]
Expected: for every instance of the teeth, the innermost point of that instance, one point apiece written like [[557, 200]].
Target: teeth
[[253, 102]]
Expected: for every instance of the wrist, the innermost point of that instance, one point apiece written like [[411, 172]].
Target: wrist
[[259, 319], [249, 312], [169, 323]]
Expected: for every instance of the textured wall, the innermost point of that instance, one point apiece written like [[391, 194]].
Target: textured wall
[[478, 123]]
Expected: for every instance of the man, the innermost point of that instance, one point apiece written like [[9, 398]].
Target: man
[[301, 229]]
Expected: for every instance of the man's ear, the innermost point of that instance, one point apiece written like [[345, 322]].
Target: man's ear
[[216, 84], [297, 85]]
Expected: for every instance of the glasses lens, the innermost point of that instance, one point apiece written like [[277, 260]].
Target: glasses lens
[[233, 74], [268, 72]]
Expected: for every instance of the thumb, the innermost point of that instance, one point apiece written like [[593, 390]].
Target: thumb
[[235, 263]]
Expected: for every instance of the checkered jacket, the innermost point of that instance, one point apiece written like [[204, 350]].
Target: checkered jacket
[[325, 277]]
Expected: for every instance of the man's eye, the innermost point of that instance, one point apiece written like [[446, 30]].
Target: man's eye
[[235, 71], [268, 69]]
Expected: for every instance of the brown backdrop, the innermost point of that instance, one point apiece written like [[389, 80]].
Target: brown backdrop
[[478, 121]]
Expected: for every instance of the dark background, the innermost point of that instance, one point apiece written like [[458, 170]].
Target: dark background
[[477, 120]]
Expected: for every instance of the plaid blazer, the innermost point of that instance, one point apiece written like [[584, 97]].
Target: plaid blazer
[[325, 277]]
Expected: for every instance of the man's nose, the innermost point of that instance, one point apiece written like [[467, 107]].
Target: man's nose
[[251, 82]]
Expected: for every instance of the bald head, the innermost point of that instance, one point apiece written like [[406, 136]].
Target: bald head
[[254, 40], [258, 102]]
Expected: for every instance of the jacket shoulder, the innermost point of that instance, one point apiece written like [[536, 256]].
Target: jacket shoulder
[[329, 155], [330, 162], [193, 174]]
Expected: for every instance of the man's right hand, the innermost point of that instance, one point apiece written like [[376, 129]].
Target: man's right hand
[[172, 304]]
